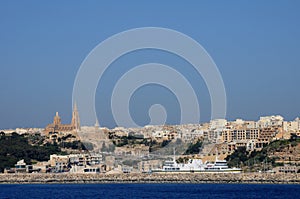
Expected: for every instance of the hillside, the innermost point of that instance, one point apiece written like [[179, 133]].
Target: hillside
[[277, 153], [15, 147]]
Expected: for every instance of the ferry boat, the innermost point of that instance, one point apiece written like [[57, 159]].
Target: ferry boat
[[196, 165], [193, 165], [220, 166]]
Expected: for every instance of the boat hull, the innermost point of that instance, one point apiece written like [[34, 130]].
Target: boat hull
[[200, 171]]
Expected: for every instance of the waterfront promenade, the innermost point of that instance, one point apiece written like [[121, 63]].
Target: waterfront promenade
[[150, 178]]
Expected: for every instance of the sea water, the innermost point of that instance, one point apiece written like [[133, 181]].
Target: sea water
[[216, 191]]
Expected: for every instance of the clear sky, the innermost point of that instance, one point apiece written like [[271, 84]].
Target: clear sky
[[255, 44]]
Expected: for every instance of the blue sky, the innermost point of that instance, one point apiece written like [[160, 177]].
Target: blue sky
[[255, 45]]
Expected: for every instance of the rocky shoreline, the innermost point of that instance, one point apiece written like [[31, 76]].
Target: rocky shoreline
[[255, 178]]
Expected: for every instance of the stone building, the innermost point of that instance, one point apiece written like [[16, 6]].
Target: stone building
[[58, 127], [149, 165], [266, 136]]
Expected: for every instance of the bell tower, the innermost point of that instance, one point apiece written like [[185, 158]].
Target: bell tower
[[56, 120], [75, 118]]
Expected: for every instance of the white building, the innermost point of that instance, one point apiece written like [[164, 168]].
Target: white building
[[215, 129], [291, 126], [217, 124], [270, 121]]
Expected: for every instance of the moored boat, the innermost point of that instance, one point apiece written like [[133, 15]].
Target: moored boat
[[196, 165]]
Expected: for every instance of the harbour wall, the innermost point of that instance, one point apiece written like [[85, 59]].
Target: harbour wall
[[61, 178]]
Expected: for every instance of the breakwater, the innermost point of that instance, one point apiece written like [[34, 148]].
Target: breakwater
[[150, 178]]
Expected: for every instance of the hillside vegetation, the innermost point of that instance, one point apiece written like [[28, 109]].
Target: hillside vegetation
[[265, 159], [15, 147]]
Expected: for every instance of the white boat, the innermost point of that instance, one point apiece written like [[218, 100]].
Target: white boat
[[193, 165], [196, 165], [220, 166]]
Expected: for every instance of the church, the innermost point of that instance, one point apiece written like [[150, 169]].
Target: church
[[58, 127]]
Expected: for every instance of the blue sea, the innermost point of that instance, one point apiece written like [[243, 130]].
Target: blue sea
[[216, 191]]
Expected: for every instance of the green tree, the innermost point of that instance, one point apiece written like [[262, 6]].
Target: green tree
[[194, 148]]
